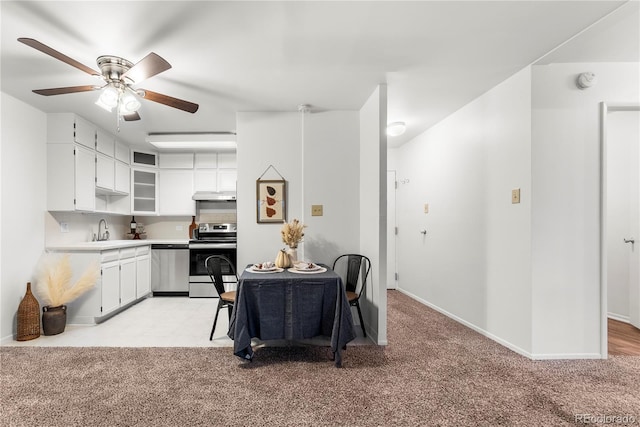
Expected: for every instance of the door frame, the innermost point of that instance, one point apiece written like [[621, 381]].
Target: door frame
[[606, 108], [392, 263]]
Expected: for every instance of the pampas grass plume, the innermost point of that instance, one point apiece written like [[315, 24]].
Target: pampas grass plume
[[53, 285]]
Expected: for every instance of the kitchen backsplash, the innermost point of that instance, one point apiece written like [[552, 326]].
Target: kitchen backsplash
[[80, 227], [71, 227]]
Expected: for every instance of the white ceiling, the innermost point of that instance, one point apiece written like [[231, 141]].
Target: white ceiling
[[274, 55]]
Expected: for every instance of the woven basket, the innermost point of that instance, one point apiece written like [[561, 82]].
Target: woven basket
[[28, 317]]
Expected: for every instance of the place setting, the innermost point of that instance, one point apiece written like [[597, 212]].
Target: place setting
[[264, 267], [304, 267]]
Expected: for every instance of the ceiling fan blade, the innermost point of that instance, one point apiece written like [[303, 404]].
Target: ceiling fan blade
[[131, 117], [60, 56], [68, 89], [148, 66], [169, 100]]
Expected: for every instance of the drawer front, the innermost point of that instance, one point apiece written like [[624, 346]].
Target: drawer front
[[142, 250], [127, 253], [108, 256]]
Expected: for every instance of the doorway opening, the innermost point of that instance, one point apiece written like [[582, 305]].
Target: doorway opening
[[620, 228]]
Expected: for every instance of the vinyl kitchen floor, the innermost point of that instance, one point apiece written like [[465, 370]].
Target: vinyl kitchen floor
[[154, 322]]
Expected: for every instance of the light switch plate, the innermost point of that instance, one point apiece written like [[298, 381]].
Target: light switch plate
[[515, 195], [316, 210], [64, 227]]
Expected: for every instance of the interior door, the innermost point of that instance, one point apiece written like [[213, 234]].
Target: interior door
[[392, 282]]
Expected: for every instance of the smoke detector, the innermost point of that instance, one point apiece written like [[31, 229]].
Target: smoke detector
[[586, 80]]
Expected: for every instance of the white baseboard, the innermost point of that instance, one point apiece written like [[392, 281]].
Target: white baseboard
[[6, 340], [619, 317], [515, 348], [481, 331]]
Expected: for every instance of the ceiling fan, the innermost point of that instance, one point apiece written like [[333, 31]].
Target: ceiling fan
[[119, 75]]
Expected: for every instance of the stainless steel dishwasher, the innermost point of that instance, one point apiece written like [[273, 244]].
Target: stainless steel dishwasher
[[170, 269]]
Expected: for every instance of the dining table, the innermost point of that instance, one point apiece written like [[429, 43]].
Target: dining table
[[290, 304]]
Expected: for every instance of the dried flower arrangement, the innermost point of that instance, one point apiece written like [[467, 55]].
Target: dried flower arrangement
[[292, 233], [54, 277]]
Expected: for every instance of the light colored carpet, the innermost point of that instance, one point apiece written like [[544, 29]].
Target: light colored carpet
[[433, 372]]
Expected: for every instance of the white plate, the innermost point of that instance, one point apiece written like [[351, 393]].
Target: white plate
[[271, 270], [264, 270], [303, 266], [319, 270]]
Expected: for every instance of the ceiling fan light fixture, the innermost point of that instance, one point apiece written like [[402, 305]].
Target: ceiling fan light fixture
[[101, 104], [396, 128], [129, 103], [109, 96]]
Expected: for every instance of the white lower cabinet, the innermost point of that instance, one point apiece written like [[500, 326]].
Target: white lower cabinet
[[127, 276], [143, 272], [110, 287], [124, 277]]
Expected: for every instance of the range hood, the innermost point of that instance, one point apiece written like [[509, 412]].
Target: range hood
[[214, 196]]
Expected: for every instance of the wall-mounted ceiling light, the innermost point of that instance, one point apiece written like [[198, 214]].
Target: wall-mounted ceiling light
[[200, 141], [396, 128]]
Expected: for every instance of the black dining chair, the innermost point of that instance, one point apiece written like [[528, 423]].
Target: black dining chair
[[214, 265], [354, 270]]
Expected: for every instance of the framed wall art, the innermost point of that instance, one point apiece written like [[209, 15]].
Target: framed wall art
[[272, 200]]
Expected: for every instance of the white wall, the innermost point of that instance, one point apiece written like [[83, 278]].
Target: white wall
[[23, 170], [622, 189], [373, 210], [320, 165], [566, 203], [331, 179], [321, 156], [266, 139], [474, 261]]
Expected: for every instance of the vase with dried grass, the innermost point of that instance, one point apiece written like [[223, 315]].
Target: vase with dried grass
[[292, 234], [54, 289]]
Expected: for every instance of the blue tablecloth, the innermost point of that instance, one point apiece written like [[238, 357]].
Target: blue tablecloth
[[290, 306]]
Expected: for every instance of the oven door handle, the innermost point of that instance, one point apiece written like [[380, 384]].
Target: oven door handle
[[213, 245]]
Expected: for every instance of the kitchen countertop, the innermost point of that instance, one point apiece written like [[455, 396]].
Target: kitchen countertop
[[111, 244]]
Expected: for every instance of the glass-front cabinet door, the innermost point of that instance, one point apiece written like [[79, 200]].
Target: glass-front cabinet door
[[145, 191]]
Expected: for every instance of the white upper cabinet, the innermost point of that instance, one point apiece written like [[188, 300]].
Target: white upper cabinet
[[105, 143], [122, 181], [105, 173], [66, 127], [227, 179], [205, 180], [176, 160], [122, 152], [206, 160], [144, 191], [227, 161], [176, 191], [70, 177]]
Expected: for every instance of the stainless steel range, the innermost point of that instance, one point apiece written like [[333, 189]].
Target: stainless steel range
[[209, 239]]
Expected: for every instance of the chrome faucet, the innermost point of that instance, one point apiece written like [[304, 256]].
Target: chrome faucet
[[104, 236]]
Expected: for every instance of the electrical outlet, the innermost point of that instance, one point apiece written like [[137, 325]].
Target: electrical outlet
[[178, 228], [316, 210], [515, 196], [426, 208], [64, 227]]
